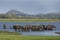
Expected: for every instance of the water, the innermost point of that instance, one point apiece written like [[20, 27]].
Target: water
[[38, 33]]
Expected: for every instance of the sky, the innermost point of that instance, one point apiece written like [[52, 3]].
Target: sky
[[30, 6]]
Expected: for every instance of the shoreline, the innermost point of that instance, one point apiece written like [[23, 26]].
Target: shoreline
[[29, 20]]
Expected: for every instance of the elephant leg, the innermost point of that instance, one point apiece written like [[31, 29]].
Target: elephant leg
[[18, 30], [15, 30], [28, 30], [33, 29], [41, 29], [50, 29], [37, 29], [45, 28], [22, 29]]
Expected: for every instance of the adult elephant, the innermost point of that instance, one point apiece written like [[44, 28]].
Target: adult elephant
[[41, 27], [38, 28], [33, 28], [17, 27], [4, 26], [50, 27], [26, 28]]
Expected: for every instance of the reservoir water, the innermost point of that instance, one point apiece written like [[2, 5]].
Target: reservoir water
[[38, 33]]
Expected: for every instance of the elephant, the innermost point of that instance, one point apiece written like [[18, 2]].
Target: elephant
[[46, 27], [38, 28], [41, 27], [50, 27], [33, 28], [17, 27], [26, 28], [4, 26]]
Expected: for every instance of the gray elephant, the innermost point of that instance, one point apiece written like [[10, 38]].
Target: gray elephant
[[4, 26], [26, 28], [17, 27], [50, 27]]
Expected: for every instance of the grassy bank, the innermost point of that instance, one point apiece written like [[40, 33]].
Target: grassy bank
[[13, 36], [8, 33], [29, 20]]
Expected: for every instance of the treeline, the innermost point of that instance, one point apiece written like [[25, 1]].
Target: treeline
[[3, 16]]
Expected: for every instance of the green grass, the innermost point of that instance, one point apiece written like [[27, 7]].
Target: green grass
[[29, 20], [13, 36], [8, 33]]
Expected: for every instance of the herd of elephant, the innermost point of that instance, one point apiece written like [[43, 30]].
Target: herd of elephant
[[28, 28]]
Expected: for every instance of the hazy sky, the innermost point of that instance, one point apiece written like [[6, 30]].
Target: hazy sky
[[30, 6]]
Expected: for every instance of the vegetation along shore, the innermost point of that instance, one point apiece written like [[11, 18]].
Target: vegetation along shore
[[29, 20], [14, 36]]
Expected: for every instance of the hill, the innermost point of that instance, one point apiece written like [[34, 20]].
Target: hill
[[18, 14], [49, 15]]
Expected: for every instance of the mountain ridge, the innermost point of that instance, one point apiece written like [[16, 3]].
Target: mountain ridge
[[17, 13]]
